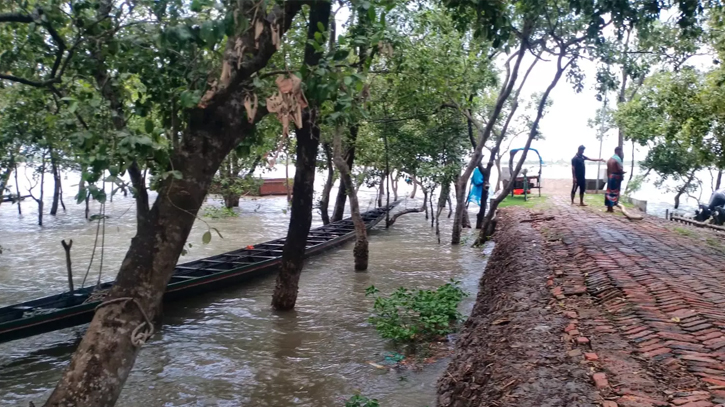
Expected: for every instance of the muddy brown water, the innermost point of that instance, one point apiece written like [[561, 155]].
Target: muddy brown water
[[229, 348]]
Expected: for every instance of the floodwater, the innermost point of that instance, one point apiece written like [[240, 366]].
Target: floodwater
[[229, 348]]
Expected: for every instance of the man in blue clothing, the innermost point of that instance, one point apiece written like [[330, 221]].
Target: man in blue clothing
[[578, 174]]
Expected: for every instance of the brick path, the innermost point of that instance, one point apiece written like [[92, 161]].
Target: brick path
[[646, 303]]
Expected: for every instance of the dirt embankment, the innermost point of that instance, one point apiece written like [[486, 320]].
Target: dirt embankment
[[511, 352]]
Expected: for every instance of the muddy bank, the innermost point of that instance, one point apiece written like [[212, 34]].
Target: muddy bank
[[511, 352]]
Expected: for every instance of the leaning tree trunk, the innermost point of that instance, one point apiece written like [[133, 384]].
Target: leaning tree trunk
[[719, 179], [17, 190], [415, 186], [360, 252], [325, 199], [56, 183], [489, 222], [104, 358], [4, 177], [461, 197], [682, 190], [308, 140], [382, 191], [339, 210]]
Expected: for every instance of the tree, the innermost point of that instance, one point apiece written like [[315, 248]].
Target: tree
[[673, 115], [187, 44]]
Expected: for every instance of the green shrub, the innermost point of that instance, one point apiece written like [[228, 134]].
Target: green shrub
[[219, 212], [361, 401], [412, 317]]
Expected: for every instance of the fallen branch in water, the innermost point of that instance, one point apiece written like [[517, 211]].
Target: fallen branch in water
[[411, 210]]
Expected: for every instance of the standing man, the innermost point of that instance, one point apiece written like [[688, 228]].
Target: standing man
[[578, 173], [615, 175]]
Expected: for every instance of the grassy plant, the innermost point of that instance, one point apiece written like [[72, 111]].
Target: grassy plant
[[532, 201], [219, 212], [361, 401], [412, 317], [684, 232]]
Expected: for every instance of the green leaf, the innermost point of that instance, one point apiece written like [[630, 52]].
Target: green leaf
[[82, 194], [341, 55], [148, 126], [206, 238]]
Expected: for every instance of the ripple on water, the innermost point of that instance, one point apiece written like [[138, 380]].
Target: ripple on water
[[229, 348]]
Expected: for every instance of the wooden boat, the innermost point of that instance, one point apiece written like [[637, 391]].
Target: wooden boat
[[70, 309]]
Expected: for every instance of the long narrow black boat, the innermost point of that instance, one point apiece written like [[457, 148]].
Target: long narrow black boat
[[70, 309]]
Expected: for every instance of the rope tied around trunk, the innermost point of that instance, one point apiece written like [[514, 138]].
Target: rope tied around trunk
[[144, 330]]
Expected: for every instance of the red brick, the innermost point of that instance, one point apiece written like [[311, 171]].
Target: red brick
[[571, 314], [660, 351], [677, 337], [608, 403], [690, 399], [582, 340], [716, 382], [600, 380], [570, 328], [698, 404], [711, 335], [591, 356]]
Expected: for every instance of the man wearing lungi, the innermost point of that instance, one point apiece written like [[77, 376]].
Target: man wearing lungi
[[615, 175]]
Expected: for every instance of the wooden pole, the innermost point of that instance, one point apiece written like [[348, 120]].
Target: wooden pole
[[387, 179], [66, 247]]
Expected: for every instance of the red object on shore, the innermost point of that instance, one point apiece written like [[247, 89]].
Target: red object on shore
[[521, 191], [274, 186]]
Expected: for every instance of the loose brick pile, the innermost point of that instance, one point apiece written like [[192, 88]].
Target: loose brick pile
[[645, 303]]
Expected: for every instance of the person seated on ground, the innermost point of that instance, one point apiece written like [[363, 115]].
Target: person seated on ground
[[717, 199], [578, 173], [615, 175]]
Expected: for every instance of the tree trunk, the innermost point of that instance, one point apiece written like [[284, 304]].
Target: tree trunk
[[719, 179], [308, 140], [339, 210], [382, 191], [56, 183], [683, 189], [17, 189], [5, 177], [394, 185], [101, 363], [442, 201], [325, 199], [286, 174], [461, 196], [42, 192], [360, 252], [415, 186], [631, 171], [483, 137], [231, 200], [422, 208], [488, 222], [430, 201]]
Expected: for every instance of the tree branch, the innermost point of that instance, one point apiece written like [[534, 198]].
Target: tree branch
[[16, 18], [28, 82]]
